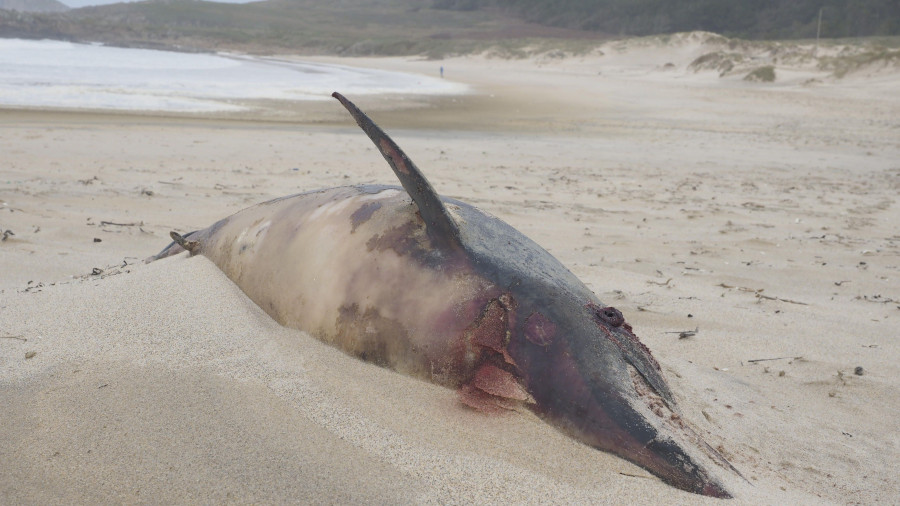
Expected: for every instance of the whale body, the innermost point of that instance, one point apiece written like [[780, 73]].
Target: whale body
[[434, 288]]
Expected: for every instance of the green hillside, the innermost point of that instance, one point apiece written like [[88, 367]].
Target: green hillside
[[441, 27], [754, 19], [359, 27]]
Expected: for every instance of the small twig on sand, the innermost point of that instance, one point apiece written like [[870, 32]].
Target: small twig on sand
[[876, 298], [660, 284], [683, 334], [767, 297], [776, 358], [121, 224], [759, 295], [741, 288], [20, 338], [634, 475]]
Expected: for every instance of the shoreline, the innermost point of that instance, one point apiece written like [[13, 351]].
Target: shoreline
[[609, 83]]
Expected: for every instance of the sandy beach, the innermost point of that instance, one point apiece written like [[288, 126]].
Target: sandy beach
[[763, 216]]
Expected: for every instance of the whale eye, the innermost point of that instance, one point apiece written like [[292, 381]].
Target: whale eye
[[611, 316]]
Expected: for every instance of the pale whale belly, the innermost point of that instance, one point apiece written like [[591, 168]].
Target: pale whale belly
[[354, 267]]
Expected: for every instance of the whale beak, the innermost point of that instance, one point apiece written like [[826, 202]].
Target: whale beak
[[639, 428], [587, 386]]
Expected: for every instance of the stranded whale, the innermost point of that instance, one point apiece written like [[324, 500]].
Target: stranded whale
[[436, 289]]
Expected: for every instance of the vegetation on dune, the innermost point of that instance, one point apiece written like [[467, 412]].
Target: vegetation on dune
[[876, 56], [765, 74]]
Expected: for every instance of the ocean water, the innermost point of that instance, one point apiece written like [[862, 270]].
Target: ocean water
[[55, 74]]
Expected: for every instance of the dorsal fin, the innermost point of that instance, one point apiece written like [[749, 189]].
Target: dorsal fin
[[440, 225]]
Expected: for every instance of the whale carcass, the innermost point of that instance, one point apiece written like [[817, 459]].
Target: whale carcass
[[436, 289]]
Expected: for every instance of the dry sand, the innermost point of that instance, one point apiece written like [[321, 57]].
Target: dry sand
[[764, 215]]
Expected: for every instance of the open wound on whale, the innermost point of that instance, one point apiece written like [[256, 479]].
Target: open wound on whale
[[434, 288]]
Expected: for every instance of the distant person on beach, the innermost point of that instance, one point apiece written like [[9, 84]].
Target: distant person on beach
[[442, 71]]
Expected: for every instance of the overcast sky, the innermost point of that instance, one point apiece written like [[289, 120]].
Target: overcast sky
[[85, 3]]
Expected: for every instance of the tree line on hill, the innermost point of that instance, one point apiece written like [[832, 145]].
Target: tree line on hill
[[751, 19]]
